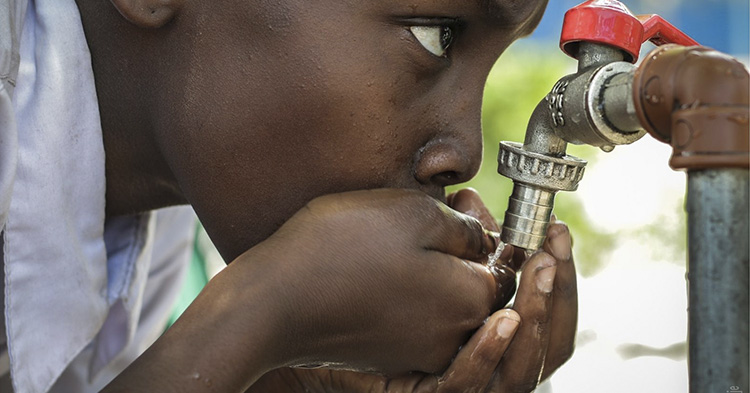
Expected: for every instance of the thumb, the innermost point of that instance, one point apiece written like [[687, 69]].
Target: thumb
[[458, 234], [469, 202]]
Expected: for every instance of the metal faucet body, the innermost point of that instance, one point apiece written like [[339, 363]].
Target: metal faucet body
[[593, 106], [691, 97]]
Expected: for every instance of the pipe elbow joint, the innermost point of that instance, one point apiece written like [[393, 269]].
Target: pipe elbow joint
[[696, 99]]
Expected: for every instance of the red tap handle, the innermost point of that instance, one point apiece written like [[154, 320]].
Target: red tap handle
[[660, 32], [611, 22]]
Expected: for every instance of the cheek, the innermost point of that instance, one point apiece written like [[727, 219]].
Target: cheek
[[339, 107], [259, 136]]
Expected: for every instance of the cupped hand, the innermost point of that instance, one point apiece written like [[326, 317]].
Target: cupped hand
[[380, 280], [504, 355], [547, 302]]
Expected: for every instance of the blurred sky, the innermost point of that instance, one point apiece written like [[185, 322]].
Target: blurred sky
[[633, 318]]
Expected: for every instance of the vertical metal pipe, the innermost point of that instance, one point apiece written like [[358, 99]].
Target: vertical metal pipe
[[717, 207]]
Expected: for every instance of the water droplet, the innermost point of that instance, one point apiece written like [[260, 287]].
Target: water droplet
[[495, 255]]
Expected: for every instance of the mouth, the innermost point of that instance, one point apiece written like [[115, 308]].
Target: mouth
[[435, 192]]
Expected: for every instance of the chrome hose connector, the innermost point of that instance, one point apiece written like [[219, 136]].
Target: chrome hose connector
[[537, 178]]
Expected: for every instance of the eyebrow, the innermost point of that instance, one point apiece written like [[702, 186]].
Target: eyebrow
[[515, 13], [494, 11]]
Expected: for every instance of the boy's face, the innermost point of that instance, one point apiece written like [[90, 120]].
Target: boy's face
[[274, 103]]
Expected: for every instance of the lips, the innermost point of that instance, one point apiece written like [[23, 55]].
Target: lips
[[436, 193]]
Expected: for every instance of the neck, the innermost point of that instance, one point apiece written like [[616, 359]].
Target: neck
[[137, 176]]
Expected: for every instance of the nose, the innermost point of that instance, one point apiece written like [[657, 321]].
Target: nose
[[452, 160], [454, 154]]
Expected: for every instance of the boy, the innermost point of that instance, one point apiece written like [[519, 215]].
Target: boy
[[258, 114]]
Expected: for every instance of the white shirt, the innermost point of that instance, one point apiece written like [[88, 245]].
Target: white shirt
[[82, 298]]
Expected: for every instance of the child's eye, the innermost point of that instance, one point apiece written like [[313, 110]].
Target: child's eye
[[435, 39]]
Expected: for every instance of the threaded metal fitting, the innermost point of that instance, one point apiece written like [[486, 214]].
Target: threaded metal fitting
[[552, 173], [537, 178]]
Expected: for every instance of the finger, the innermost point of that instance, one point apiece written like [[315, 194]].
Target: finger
[[522, 364], [412, 383], [469, 202], [474, 365], [492, 286], [506, 254], [516, 258], [318, 380], [449, 198], [459, 235], [505, 283], [564, 314]]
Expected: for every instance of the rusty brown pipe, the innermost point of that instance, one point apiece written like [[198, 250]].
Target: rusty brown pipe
[[696, 99]]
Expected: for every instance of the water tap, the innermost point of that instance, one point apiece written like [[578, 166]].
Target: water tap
[[594, 106]]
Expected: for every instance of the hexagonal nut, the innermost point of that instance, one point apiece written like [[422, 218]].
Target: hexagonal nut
[[551, 173]]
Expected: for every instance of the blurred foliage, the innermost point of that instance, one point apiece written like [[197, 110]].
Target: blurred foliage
[[516, 84], [666, 235]]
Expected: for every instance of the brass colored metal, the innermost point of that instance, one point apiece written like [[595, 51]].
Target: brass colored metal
[[696, 99]]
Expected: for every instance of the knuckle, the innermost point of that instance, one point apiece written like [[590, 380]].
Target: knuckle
[[474, 226], [379, 386], [542, 327], [474, 232]]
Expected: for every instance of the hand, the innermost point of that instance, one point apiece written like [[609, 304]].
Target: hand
[[543, 343], [547, 302], [379, 280], [471, 369]]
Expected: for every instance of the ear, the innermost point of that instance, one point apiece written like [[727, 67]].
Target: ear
[[148, 13]]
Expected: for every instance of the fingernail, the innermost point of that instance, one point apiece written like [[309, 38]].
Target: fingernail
[[545, 278], [494, 234], [490, 241], [560, 242], [507, 326]]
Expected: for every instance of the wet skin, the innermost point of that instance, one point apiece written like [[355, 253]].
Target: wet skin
[[264, 115], [251, 109]]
